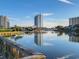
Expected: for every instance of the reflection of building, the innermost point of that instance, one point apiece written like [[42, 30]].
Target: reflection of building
[[74, 38], [38, 38], [38, 21], [74, 21], [4, 22]]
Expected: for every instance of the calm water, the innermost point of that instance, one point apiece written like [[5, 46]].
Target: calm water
[[53, 45]]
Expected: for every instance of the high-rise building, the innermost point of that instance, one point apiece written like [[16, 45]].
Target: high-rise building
[[38, 21], [4, 22], [74, 21]]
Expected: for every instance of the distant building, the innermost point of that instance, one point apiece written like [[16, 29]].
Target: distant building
[[74, 21], [4, 22], [38, 21]]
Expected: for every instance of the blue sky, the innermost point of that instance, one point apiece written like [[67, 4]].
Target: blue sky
[[56, 12]]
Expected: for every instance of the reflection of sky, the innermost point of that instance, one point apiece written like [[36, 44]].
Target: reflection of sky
[[53, 46]]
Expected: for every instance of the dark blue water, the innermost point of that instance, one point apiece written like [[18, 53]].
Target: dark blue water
[[52, 45]]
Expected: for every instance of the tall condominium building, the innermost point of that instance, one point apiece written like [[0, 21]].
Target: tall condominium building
[[4, 22], [38, 21], [74, 21]]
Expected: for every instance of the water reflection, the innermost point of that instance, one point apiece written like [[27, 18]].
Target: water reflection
[[17, 37], [54, 46], [74, 38], [60, 34], [38, 39]]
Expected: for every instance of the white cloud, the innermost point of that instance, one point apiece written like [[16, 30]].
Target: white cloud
[[44, 13], [47, 14], [66, 1]]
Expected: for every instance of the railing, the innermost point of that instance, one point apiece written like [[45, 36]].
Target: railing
[[11, 50]]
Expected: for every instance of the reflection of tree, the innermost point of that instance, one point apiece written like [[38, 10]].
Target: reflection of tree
[[60, 33], [38, 38], [29, 33]]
